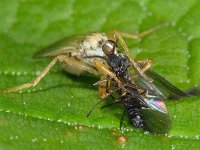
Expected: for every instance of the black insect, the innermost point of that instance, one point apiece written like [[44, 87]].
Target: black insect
[[142, 95]]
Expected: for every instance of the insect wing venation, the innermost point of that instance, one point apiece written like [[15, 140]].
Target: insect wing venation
[[155, 102], [167, 88], [156, 121]]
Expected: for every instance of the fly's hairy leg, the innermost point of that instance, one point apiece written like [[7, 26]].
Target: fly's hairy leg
[[121, 120], [93, 108], [35, 81], [108, 94], [60, 58], [117, 36], [146, 64], [106, 71], [111, 104], [138, 35], [103, 86]]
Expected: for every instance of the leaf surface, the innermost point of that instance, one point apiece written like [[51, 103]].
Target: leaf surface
[[52, 115]]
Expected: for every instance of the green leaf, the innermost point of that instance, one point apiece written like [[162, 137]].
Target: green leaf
[[52, 115]]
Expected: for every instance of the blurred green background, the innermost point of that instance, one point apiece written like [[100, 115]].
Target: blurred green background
[[49, 115]]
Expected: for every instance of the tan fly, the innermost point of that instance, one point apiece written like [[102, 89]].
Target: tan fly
[[74, 54]]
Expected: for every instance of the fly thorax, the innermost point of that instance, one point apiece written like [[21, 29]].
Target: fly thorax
[[115, 63], [93, 43], [119, 66], [92, 46]]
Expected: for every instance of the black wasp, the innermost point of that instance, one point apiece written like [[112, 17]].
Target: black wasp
[[142, 95]]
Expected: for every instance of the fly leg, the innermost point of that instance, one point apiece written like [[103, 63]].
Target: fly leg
[[104, 89], [60, 58], [110, 93], [77, 67], [117, 35], [93, 108], [106, 71], [138, 35], [103, 86], [121, 120], [146, 64], [111, 104]]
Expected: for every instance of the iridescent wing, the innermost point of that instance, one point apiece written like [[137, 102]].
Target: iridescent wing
[[155, 115], [156, 121], [158, 85], [147, 85], [166, 87]]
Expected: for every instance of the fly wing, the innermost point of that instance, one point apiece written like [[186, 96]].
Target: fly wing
[[155, 114], [159, 85], [146, 84], [156, 121], [167, 88], [64, 46]]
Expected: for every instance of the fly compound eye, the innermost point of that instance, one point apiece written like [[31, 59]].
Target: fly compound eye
[[109, 47]]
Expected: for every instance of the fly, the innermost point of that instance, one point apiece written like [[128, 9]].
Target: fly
[[74, 54], [97, 54]]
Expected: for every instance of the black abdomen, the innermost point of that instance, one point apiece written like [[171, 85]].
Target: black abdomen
[[133, 108]]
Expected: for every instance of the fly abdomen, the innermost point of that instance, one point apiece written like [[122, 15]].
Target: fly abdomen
[[137, 122], [135, 117], [133, 109]]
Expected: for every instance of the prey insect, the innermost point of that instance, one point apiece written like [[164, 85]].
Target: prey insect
[[74, 54], [96, 53], [141, 96]]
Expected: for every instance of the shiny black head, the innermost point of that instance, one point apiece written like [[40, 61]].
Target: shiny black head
[[109, 47]]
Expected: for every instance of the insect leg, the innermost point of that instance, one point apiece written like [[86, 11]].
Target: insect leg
[[103, 86], [117, 36], [61, 58], [78, 67], [111, 104], [103, 80], [138, 35], [104, 89], [110, 93], [100, 102], [121, 120], [146, 64], [93, 108], [35, 81], [106, 71]]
